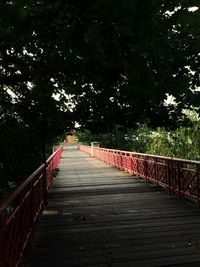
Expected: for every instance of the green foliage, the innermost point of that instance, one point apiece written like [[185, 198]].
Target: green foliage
[[132, 139], [115, 139], [184, 142], [160, 144], [140, 138]]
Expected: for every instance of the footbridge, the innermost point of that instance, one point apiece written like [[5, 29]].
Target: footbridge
[[103, 208]]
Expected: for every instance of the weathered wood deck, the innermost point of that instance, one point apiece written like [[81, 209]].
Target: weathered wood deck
[[100, 216]]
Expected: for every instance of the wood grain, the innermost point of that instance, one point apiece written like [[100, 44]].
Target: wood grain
[[100, 216]]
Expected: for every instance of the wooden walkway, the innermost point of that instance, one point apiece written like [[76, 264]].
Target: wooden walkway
[[100, 216]]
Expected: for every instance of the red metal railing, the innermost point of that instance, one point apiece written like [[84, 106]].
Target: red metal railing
[[19, 211], [178, 176], [86, 149]]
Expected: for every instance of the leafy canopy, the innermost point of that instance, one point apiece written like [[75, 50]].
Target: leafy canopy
[[116, 60]]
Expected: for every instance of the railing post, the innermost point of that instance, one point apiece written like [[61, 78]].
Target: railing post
[[45, 183], [168, 182], [92, 150], [145, 169], [131, 164], [155, 170], [137, 165], [172, 177], [198, 183], [180, 179], [121, 161], [94, 144], [32, 207]]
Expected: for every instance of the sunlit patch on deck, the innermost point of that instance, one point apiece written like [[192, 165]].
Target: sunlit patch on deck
[[50, 212]]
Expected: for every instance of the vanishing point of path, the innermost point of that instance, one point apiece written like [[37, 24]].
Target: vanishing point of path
[[100, 216]]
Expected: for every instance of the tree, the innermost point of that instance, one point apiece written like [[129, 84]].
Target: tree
[[116, 139], [24, 127], [116, 60], [183, 142]]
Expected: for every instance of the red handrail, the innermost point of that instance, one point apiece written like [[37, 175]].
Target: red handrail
[[86, 149], [19, 211], [178, 176]]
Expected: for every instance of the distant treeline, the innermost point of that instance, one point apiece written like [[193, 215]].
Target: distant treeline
[[183, 142]]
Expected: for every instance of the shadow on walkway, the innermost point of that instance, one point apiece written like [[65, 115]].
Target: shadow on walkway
[[100, 216]]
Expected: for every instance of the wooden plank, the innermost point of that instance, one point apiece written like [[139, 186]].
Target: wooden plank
[[100, 216]]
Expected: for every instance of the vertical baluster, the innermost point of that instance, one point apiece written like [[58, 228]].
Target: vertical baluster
[[145, 169], [180, 179], [198, 182]]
